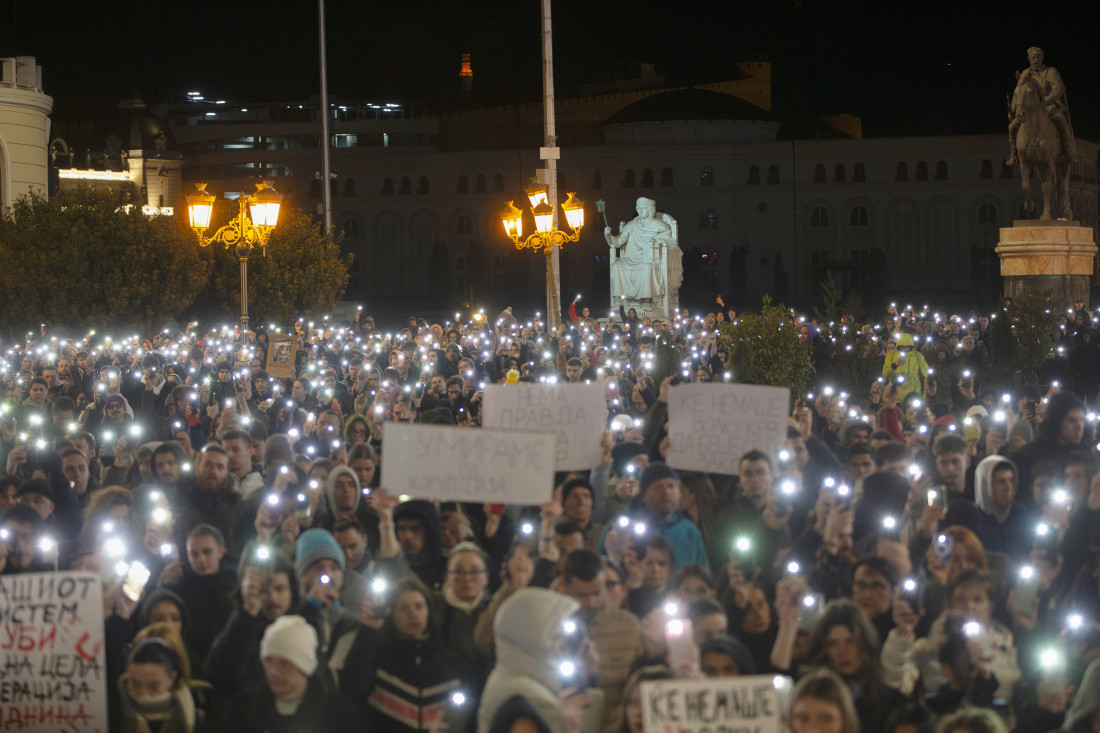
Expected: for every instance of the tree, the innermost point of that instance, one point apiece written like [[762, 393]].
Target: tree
[[764, 348], [302, 272], [89, 257]]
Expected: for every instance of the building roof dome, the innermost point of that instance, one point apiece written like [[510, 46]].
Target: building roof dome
[[688, 104]]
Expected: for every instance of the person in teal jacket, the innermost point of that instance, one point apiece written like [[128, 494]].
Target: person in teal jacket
[[906, 367], [657, 507]]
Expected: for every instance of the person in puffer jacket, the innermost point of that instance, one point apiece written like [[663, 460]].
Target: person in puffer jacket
[[529, 632]]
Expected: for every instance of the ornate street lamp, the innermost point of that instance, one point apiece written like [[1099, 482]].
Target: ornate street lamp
[[240, 232], [545, 237]]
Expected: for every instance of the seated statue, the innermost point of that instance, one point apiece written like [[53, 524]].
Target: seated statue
[[647, 270]]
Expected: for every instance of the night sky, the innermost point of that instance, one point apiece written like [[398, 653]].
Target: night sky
[[905, 68]]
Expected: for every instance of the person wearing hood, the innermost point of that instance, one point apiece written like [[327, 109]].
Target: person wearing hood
[[1003, 520], [658, 502], [530, 638], [419, 532], [906, 367]]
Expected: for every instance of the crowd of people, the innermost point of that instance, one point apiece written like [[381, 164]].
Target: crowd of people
[[921, 553]]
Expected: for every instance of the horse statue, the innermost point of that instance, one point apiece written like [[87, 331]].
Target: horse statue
[[1039, 148]]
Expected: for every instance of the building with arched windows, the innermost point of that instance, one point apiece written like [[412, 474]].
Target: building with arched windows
[[774, 206]]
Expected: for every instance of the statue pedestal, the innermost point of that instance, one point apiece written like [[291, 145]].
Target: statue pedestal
[[1047, 258]]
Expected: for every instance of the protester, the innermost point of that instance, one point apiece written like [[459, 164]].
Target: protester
[[892, 515]]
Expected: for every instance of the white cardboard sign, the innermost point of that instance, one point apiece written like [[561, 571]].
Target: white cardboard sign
[[575, 413], [720, 705], [712, 425], [53, 676], [468, 464]]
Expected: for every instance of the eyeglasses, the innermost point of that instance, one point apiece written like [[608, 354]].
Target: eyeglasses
[[467, 573], [876, 586]]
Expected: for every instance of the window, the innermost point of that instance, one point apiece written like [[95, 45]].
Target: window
[[819, 173], [858, 218], [498, 183], [387, 187], [463, 184], [349, 187], [597, 179], [351, 228], [1006, 170], [922, 171], [941, 170], [315, 189], [987, 168], [666, 177], [839, 175], [464, 225], [902, 173], [406, 186], [819, 218], [754, 175], [499, 274], [859, 173], [706, 177], [422, 186], [480, 183], [647, 178], [628, 178], [773, 175], [987, 212], [708, 219]]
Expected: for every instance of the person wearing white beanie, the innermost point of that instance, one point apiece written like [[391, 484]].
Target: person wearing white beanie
[[293, 640], [295, 696]]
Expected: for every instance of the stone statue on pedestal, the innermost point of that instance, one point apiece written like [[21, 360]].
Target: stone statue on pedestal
[[1040, 135], [646, 268]]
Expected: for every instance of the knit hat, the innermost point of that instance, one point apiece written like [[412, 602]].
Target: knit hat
[[111, 399], [655, 472], [292, 639], [573, 484], [735, 648], [315, 545], [623, 453], [277, 448], [1024, 430]]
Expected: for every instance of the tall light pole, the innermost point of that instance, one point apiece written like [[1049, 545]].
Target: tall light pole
[[550, 153], [326, 168]]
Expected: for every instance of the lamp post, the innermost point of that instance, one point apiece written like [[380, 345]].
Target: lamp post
[[546, 237], [241, 231]]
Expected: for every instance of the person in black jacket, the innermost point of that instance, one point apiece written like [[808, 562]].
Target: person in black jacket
[[418, 681], [291, 698], [268, 590], [204, 585], [419, 533]]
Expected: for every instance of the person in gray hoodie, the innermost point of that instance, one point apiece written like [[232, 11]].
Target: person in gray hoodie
[[1003, 520], [531, 660]]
